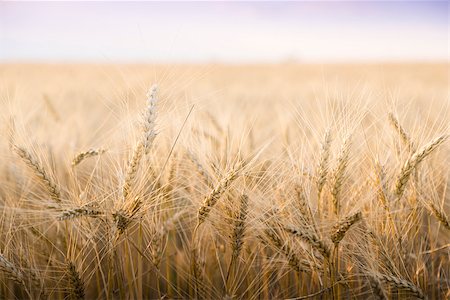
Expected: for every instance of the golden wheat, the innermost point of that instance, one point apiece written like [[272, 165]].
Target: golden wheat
[[269, 232]]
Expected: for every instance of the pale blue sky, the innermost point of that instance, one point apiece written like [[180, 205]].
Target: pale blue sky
[[224, 31]]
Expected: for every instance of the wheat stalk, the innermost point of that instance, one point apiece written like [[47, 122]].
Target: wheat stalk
[[379, 247]]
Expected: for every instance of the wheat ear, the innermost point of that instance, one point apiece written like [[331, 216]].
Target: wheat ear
[[169, 224], [76, 285], [440, 215], [380, 185], [311, 238], [377, 289], [322, 168], [401, 132], [39, 171], [148, 127], [124, 215], [78, 212], [304, 207], [339, 172], [400, 283], [158, 235], [284, 248], [200, 168], [412, 163], [132, 169], [239, 227], [197, 272], [214, 196], [11, 270], [156, 244], [341, 228], [202, 214], [237, 236], [86, 154], [143, 146]]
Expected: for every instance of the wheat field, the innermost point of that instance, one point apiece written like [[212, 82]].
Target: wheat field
[[284, 181]]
